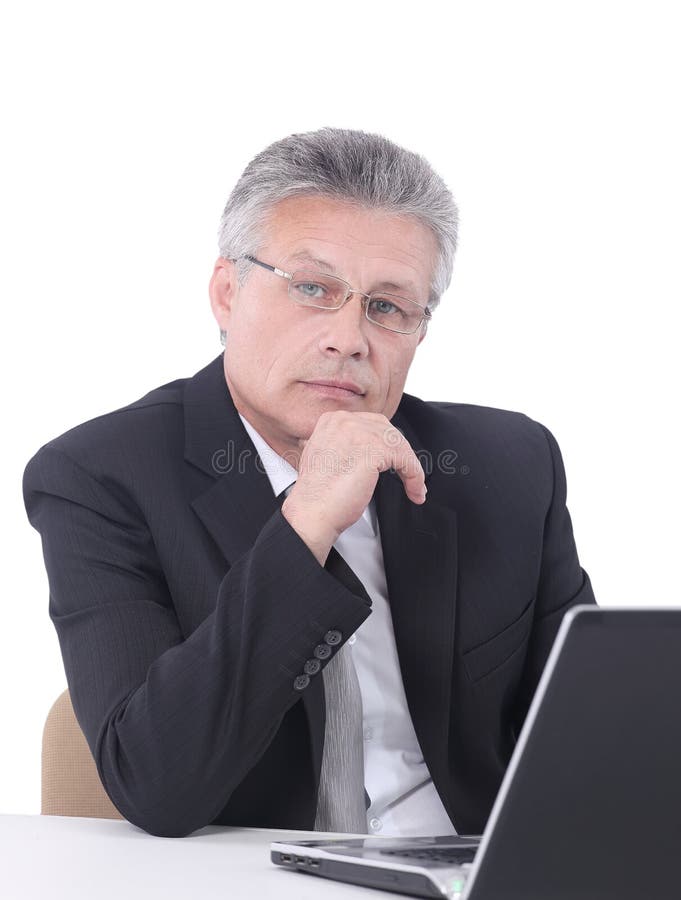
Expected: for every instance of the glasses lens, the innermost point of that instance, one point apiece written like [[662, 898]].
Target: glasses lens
[[394, 313], [316, 289]]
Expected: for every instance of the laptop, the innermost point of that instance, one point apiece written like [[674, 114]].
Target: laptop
[[590, 805]]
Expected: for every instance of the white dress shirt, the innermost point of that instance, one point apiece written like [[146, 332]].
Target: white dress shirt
[[404, 801]]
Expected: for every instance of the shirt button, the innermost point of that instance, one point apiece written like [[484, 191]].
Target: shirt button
[[301, 682], [375, 824], [352, 639], [312, 666], [322, 651], [333, 637], [368, 734]]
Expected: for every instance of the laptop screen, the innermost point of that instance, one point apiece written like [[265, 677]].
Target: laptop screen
[[591, 804]]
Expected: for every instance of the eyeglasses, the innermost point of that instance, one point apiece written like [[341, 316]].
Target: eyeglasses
[[308, 287]]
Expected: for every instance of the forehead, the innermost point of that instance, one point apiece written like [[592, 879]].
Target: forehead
[[354, 242]]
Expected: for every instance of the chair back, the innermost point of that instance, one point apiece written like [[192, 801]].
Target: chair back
[[70, 782]]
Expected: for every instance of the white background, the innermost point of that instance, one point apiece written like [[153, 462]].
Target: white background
[[555, 124]]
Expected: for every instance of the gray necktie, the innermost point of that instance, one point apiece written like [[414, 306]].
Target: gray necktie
[[340, 802], [341, 799]]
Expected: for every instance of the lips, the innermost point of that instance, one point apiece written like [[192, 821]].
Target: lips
[[344, 385]]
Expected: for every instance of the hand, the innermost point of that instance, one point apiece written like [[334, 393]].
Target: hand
[[338, 471]]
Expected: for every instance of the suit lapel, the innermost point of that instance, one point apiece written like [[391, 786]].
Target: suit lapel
[[420, 557], [239, 501]]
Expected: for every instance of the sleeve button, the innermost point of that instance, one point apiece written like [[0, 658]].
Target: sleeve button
[[322, 651], [301, 682], [333, 637], [312, 666]]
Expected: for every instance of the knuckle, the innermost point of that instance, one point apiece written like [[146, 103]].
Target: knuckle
[[392, 436]]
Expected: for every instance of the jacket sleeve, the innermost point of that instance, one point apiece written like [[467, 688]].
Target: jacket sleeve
[[562, 583], [174, 724]]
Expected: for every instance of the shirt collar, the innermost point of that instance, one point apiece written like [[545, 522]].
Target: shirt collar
[[283, 476], [279, 471]]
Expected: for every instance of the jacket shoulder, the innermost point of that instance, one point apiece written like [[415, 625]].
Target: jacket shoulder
[[151, 418], [440, 417]]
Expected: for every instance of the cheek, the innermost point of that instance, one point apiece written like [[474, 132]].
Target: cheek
[[401, 364], [256, 336], [273, 356], [393, 376]]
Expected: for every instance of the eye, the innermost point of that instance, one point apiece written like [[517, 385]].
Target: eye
[[310, 290], [385, 307]]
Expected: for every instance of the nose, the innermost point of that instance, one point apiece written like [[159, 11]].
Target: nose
[[344, 330]]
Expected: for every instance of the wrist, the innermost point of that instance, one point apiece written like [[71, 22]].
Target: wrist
[[318, 537]]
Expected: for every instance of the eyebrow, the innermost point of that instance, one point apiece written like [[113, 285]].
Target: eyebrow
[[406, 287]]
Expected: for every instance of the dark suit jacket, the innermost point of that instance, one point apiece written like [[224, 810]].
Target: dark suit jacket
[[186, 605]]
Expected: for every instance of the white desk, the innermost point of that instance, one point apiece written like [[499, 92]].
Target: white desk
[[64, 858]]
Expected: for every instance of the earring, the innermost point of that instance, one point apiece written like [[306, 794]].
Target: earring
[[223, 336]]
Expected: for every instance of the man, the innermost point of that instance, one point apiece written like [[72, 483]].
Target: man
[[247, 578]]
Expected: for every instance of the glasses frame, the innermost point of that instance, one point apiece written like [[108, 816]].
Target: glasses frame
[[426, 314]]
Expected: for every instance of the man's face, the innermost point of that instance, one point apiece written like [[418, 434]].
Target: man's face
[[277, 348]]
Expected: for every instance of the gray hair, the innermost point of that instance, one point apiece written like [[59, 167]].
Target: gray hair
[[361, 168]]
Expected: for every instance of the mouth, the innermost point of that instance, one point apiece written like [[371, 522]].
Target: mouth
[[336, 388]]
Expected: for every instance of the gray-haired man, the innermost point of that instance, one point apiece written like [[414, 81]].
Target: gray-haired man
[[264, 619]]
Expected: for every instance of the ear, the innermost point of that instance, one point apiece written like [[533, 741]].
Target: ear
[[222, 290]]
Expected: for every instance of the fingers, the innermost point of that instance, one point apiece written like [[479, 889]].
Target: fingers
[[406, 464]]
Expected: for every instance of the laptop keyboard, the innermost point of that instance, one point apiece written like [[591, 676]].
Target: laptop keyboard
[[452, 855]]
